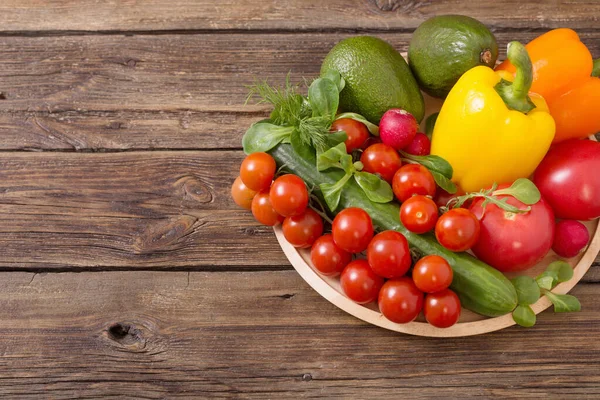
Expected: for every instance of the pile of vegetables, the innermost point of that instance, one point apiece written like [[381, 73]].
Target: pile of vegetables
[[431, 221]]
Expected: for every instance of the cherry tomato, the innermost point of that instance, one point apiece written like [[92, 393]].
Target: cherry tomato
[[419, 214], [352, 229], [381, 159], [371, 141], [420, 145], [442, 198], [302, 230], [257, 171], [568, 179], [263, 211], [457, 230], [242, 194], [400, 300], [357, 132], [513, 242], [442, 309], [289, 195], [413, 179], [388, 254], [432, 274], [327, 257], [359, 282]]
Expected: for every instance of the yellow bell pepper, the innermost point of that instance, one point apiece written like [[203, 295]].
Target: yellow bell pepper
[[492, 130]]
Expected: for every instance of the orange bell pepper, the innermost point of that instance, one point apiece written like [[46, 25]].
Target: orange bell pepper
[[562, 74]]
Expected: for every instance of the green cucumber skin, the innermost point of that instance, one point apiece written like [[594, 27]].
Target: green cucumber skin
[[481, 288]]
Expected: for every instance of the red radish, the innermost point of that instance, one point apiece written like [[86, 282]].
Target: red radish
[[397, 128], [570, 238], [420, 146]]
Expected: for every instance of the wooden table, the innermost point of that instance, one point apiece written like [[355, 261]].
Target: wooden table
[[127, 270]]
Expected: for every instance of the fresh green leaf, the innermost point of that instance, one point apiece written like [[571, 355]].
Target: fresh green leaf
[[314, 131], [523, 190], [374, 129], [264, 136], [336, 78], [430, 124], [564, 302], [528, 291], [524, 316], [324, 98], [333, 191], [331, 158], [358, 166], [376, 189], [302, 149], [545, 282], [335, 138], [563, 270], [347, 164], [444, 182], [547, 274], [432, 163]]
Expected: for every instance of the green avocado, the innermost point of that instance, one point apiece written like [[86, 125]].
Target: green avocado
[[445, 47], [377, 78]]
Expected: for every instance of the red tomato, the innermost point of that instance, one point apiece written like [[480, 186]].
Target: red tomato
[[352, 229], [457, 230], [569, 180], [302, 230], [359, 282], [381, 159], [327, 257], [513, 242], [420, 145], [400, 301], [371, 141], [442, 197], [419, 214], [263, 211], [388, 254], [357, 132], [442, 309], [242, 194], [413, 179], [257, 171], [289, 195], [432, 274]]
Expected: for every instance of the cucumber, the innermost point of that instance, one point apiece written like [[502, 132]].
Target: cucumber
[[481, 288]]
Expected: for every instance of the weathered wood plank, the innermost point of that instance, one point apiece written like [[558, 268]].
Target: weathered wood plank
[[90, 15], [152, 92], [264, 335], [122, 210]]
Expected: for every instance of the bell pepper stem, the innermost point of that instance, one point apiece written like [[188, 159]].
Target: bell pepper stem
[[515, 94], [596, 69]]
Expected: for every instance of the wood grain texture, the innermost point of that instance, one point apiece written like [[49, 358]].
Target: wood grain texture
[[158, 335], [127, 210], [298, 15], [154, 92]]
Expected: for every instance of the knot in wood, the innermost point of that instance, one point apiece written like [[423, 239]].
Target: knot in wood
[[166, 236], [127, 335], [195, 189]]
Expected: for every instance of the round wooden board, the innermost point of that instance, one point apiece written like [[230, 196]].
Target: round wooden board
[[469, 323]]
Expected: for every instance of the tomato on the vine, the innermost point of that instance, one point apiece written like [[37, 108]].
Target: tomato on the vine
[[352, 229], [413, 179], [442, 309], [381, 159], [263, 211], [359, 282], [302, 230], [419, 214], [388, 254], [327, 257], [257, 171], [242, 195], [457, 230], [432, 274], [400, 300], [356, 131], [289, 195]]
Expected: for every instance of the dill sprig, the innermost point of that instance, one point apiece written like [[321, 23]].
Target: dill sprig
[[288, 105], [314, 132]]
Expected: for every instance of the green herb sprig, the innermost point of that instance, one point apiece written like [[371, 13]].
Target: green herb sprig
[[529, 290]]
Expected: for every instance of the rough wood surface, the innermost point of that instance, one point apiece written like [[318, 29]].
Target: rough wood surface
[[157, 335], [154, 92], [158, 15]]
